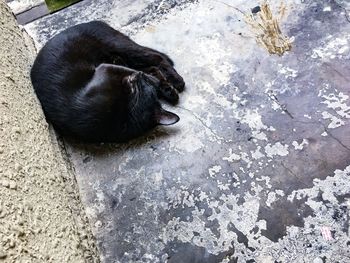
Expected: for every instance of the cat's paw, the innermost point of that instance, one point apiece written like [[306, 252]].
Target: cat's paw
[[178, 83], [172, 77], [168, 93], [171, 83]]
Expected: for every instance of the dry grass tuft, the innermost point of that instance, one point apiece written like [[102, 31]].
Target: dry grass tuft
[[267, 30]]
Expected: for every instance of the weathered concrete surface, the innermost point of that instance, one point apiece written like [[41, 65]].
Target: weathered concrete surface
[[41, 218], [19, 6], [258, 168], [118, 14]]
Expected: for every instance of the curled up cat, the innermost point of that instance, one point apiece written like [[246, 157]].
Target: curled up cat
[[97, 85]]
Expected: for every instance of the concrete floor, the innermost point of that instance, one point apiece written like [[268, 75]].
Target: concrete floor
[[258, 168]]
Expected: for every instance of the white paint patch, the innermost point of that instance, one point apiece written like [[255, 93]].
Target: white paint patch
[[217, 98], [235, 97], [257, 154], [288, 72], [232, 157], [300, 146], [259, 135], [253, 119], [204, 86], [223, 186], [158, 178], [271, 197], [275, 106], [333, 49], [214, 170], [99, 203], [224, 102], [194, 101], [190, 145], [205, 41], [335, 121], [327, 9], [276, 149], [279, 192], [337, 102], [331, 187], [225, 211], [209, 56], [191, 136], [180, 197]]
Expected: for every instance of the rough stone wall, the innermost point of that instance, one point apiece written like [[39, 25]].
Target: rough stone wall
[[41, 219]]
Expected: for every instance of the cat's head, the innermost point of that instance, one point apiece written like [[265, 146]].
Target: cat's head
[[145, 110]]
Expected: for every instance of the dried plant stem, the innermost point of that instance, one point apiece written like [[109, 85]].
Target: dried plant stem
[[266, 27], [267, 30]]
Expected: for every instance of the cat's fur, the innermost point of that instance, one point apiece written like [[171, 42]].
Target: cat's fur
[[97, 85]]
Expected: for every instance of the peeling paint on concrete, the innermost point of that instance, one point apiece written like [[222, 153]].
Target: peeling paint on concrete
[[335, 122], [276, 149], [300, 146], [334, 48], [258, 164]]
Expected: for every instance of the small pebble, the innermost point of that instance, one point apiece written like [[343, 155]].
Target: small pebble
[[12, 243], [55, 243], [18, 167], [13, 185], [318, 260], [5, 183], [3, 255], [256, 9], [16, 130], [98, 224], [20, 232]]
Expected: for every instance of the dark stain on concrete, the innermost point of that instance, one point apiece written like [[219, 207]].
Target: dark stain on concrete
[[281, 214], [241, 238], [189, 253], [342, 197]]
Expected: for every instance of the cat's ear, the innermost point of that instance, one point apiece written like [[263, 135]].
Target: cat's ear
[[166, 117]]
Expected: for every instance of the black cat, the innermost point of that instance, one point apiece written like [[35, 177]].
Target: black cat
[[97, 85]]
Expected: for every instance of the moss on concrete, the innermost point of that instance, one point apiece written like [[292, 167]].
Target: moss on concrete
[[55, 5]]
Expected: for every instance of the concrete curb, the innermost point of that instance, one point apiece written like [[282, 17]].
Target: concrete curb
[[41, 217]]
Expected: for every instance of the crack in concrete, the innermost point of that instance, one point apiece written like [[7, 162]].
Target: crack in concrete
[[336, 139], [330, 68], [219, 138], [326, 130], [284, 108], [344, 9], [295, 175], [155, 10]]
